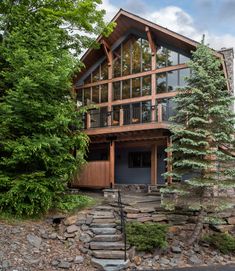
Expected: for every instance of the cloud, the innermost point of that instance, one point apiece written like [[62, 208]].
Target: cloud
[[110, 9], [227, 9]]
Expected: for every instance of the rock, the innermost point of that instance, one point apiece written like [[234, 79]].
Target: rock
[[85, 227], [231, 220], [102, 231], [107, 238], [64, 264], [159, 218], [34, 240], [114, 265], [176, 249], [144, 219], [173, 229], [128, 209], [137, 260], [164, 261], [223, 228], [147, 209], [195, 260], [89, 220], [79, 259], [85, 238], [70, 220], [107, 245], [108, 254], [196, 248], [72, 229], [177, 219], [53, 236], [67, 235], [55, 263], [6, 264]]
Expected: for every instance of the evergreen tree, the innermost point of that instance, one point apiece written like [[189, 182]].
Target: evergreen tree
[[202, 139], [40, 125]]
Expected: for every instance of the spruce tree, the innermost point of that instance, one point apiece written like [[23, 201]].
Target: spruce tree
[[40, 124], [202, 139]]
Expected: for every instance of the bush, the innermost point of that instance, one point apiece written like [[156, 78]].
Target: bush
[[146, 236], [222, 241], [74, 202]]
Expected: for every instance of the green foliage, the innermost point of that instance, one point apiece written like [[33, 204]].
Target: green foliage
[[146, 236], [41, 138], [74, 202], [203, 128], [222, 241]]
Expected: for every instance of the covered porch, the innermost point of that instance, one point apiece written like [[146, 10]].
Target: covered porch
[[130, 158]]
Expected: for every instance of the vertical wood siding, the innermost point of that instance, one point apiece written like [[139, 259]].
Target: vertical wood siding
[[94, 174]]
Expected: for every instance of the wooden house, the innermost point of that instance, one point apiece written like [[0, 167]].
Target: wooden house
[[131, 79]]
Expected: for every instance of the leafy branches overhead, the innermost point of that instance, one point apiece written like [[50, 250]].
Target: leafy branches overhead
[[203, 136], [40, 125]]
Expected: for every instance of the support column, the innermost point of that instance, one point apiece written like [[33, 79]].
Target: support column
[[154, 164], [112, 163], [169, 165]]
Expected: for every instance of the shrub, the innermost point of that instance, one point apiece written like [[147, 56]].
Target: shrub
[[222, 241], [146, 236], [73, 202]]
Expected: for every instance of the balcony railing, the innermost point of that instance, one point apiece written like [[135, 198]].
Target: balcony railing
[[128, 116]]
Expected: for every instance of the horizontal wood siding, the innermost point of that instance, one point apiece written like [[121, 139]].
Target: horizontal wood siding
[[94, 174]]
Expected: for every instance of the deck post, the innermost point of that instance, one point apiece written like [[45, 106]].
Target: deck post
[[169, 165], [121, 117], [112, 162], [154, 164], [159, 109], [88, 120]]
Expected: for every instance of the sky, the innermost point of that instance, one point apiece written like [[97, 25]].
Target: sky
[[191, 18]]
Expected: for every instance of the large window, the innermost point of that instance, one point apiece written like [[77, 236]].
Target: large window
[[132, 88], [139, 159], [132, 56], [166, 57], [172, 80]]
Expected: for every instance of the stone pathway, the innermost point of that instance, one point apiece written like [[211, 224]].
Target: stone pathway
[[106, 245]]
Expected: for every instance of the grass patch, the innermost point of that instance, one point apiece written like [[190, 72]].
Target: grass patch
[[224, 242], [146, 236], [73, 202]]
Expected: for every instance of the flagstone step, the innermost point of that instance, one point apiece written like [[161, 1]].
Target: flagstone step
[[103, 208], [101, 231], [106, 245], [107, 238], [104, 220], [109, 264], [108, 254], [99, 225]]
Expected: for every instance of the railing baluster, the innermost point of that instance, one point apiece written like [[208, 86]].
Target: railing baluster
[[123, 224]]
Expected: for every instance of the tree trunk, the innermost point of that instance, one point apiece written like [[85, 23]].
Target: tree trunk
[[198, 228]]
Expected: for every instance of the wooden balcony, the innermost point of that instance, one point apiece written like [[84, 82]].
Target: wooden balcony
[[126, 120]]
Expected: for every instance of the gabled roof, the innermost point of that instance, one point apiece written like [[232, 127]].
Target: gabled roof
[[125, 22]]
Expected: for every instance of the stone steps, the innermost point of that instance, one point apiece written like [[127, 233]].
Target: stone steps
[[99, 225], [109, 265], [107, 238], [100, 231], [107, 254], [107, 245]]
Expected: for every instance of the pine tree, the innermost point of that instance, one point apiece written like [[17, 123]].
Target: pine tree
[[202, 139], [40, 125]]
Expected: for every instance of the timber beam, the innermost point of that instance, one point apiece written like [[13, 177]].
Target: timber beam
[[150, 40], [108, 51]]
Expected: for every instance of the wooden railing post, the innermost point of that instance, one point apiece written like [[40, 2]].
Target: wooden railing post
[[88, 120], [121, 117], [159, 108], [112, 162], [154, 164]]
